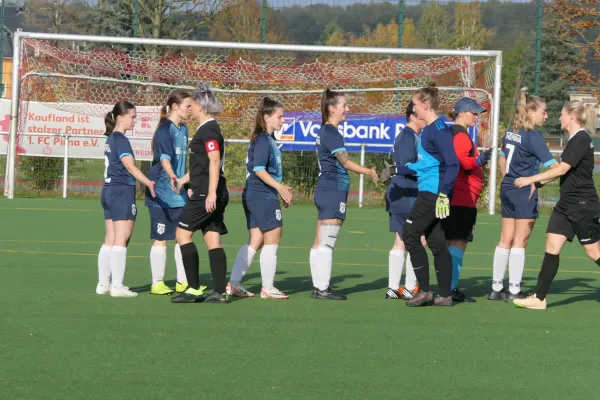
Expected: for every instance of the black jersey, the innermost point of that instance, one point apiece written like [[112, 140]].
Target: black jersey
[[577, 185], [208, 138]]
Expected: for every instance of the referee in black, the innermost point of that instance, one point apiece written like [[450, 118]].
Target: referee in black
[[206, 207], [578, 208]]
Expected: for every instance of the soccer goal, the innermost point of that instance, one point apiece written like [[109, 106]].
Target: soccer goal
[[63, 85]]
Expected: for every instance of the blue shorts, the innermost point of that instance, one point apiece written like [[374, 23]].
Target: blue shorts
[[397, 222], [163, 222], [331, 203], [516, 203], [264, 214], [118, 202]]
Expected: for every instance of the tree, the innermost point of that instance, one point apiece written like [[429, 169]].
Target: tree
[[557, 56], [331, 29], [58, 16], [468, 29], [240, 21], [434, 26], [514, 61], [577, 25], [384, 35]]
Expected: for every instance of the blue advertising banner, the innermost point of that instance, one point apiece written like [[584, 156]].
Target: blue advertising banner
[[357, 130]]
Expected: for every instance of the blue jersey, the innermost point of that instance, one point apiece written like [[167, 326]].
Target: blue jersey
[[333, 175], [402, 191], [524, 151], [437, 166], [117, 146], [170, 143], [263, 155]]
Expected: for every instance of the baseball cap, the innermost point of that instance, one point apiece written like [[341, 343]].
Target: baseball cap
[[468, 104]]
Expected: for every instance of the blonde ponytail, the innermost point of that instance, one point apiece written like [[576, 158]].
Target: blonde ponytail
[[526, 104]]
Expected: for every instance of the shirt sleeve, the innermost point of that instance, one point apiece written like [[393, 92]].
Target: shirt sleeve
[[211, 141], [445, 144], [539, 149], [333, 141], [163, 144], [123, 147], [262, 149], [576, 149], [462, 147]]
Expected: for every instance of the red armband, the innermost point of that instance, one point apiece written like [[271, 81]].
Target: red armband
[[211, 145]]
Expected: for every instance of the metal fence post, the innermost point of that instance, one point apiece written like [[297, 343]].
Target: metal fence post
[[66, 167], [362, 177]]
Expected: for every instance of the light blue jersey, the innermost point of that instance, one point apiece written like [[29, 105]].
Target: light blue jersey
[[171, 143]]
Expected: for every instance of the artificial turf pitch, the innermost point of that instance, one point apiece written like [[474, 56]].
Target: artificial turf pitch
[[59, 340]]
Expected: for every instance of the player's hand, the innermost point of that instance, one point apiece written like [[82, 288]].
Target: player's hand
[[286, 194], [178, 185], [442, 206], [189, 193], [174, 183], [211, 202], [150, 187], [532, 191], [484, 157], [373, 175], [387, 173], [522, 182]]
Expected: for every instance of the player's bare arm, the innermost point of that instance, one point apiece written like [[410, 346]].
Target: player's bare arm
[[342, 157]]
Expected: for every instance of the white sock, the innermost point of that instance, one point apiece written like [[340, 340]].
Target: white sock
[[242, 263], [410, 280], [104, 265], [313, 266], [268, 265], [501, 257], [323, 267], [158, 263], [181, 278], [118, 259], [395, 265], [516, 266]]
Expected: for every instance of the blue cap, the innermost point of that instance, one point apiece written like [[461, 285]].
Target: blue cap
[[468, 104]]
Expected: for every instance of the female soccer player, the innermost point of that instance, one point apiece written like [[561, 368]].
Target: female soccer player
[[206, 207], [331, 192], [523, 149], [460, 224], [261, 203], [169, 146], [578, 208], [399, 199], [118, 199], [436, 170]]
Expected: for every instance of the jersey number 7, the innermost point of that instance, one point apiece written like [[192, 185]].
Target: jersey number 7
[[511, 150]]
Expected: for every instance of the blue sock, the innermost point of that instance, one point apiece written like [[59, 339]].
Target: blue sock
[[457, 261]]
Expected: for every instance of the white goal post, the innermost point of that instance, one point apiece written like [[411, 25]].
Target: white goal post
[[375, 93]]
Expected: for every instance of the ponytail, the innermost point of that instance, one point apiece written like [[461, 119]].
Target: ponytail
[[452, 115], [267, 107], [526, 104], [176, 97], [328, 98], [110, 119]]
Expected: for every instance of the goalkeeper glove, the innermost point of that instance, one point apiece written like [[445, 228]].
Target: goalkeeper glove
[[484, 157], [388, 172], [442, 206]]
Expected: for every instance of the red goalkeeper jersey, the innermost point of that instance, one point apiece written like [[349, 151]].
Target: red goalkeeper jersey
[[469, 181]]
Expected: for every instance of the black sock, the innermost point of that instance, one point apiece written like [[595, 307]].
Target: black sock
[[597, 262], [218, 268], [191, 264], [546, 275]]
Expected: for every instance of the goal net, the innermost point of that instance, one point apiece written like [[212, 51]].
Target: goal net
[[68, 84]]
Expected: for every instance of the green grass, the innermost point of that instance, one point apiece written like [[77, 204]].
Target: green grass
[[60, 340]]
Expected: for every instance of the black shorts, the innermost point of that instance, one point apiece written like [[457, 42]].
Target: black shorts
[[195, 217], [580, 221], [460, 225]]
